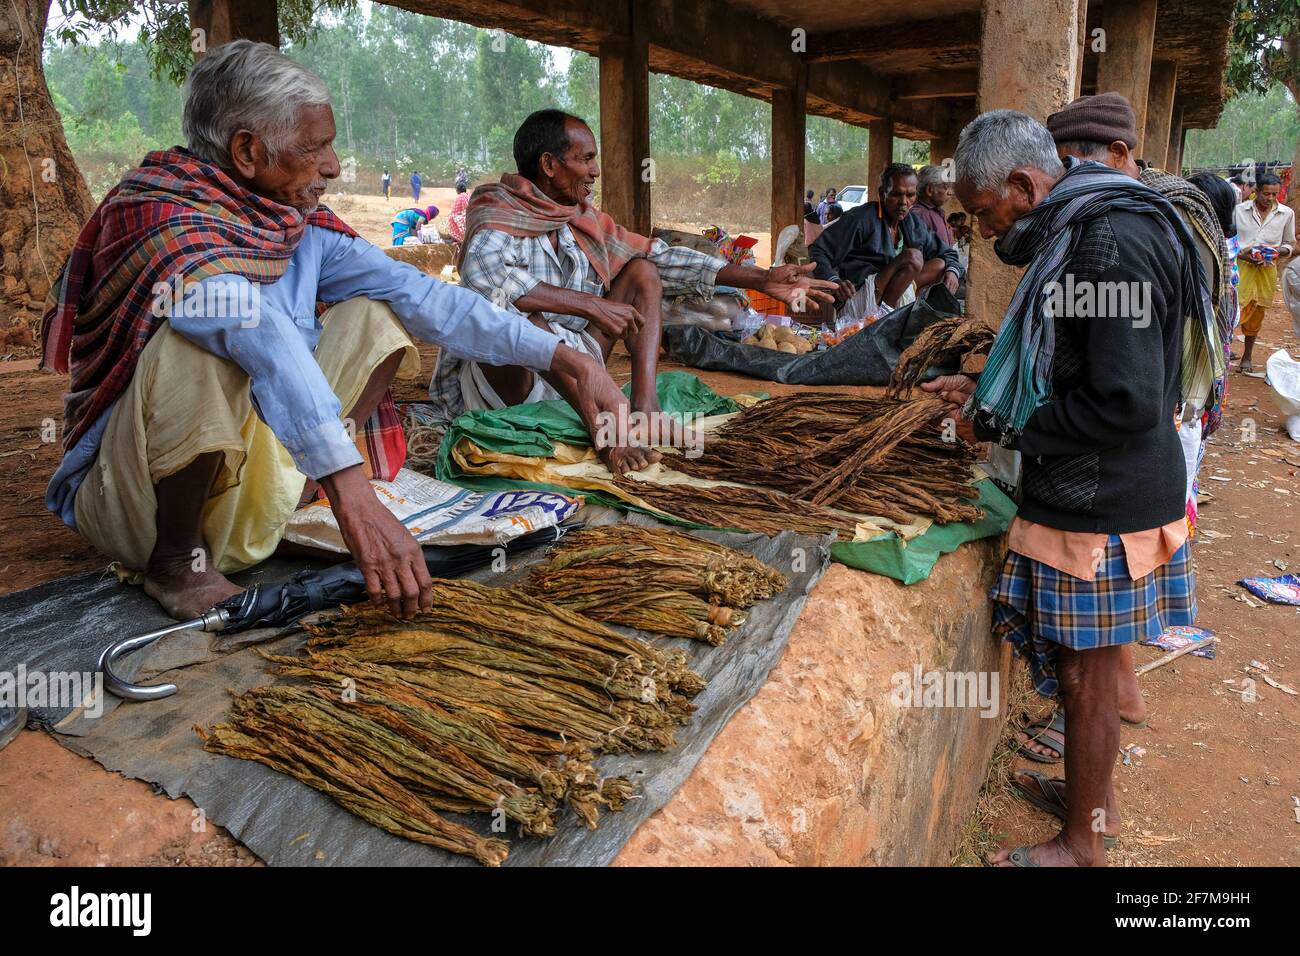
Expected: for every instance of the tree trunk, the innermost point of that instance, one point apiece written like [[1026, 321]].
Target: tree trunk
[[43, 199], [224, 20], [1293, 195]]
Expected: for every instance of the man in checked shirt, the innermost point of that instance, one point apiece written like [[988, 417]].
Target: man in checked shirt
[[535, 244]]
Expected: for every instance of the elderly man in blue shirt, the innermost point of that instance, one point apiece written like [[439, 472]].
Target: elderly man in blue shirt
[[207, 396]]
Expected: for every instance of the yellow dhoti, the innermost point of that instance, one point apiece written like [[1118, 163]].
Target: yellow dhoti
[[1255, 291], [182, 402]]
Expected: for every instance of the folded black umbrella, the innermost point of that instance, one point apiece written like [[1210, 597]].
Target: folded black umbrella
[[282, 603]]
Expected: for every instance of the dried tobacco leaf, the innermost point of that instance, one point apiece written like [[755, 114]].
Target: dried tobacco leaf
[[491, 702], [655, 579], [871, 456]]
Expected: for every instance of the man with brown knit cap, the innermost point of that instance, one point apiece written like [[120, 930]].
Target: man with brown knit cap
[[1102, 129]]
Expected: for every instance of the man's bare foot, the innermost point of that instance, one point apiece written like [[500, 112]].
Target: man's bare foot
[[624, 458], [1055, 852], [183, 592]]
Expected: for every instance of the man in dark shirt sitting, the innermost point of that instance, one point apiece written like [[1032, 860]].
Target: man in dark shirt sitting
[[877, 253]]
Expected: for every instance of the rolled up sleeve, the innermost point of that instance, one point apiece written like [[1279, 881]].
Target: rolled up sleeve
[[459, 320], [685, 271]]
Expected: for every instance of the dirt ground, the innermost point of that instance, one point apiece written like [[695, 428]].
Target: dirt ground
[[1216, 785]]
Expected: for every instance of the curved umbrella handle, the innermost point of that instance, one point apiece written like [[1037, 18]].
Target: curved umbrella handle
[[213, 620]]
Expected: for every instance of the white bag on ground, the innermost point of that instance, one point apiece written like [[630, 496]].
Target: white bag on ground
[[1283, 374], [440, 513]]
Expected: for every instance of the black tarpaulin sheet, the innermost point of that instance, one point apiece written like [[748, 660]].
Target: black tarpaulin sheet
[[867, 358], [287, 823]]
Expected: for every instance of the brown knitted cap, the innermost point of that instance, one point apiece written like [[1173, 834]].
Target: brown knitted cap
[[1104, 118]]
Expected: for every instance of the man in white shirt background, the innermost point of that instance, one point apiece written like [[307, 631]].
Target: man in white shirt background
[[1266, 233]]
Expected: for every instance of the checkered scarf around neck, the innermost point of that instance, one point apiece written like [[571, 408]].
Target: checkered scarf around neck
[[1018, 376], [174, 217], [1197, 211], [517, 207]]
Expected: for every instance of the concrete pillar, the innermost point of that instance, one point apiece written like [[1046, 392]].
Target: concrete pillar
[[880, 152], [1177, 135], [224, 20], [625, 126], [1125, 66], [1160, 112], [789, 144], [1029, 55]]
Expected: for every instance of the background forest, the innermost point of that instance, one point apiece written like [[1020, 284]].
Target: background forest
[[417, 92]]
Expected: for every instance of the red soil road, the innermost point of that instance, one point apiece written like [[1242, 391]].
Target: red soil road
[[1214, 787]]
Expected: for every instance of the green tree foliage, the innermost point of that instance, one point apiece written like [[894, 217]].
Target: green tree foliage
[[1265, 46], [1254, 126]]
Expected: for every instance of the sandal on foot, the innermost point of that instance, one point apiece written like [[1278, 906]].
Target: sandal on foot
[[1050, 732], [1019, 857], [1043, 793]]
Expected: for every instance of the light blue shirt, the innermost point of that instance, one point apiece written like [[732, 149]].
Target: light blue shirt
[[274, 345]]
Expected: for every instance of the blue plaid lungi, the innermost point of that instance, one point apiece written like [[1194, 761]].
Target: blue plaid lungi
[[1040, 609]]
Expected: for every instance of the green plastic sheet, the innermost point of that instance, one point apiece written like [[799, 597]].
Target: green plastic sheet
[[532, 431]]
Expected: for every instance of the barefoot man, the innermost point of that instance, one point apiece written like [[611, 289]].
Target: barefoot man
[[207, 397], [535, 244], [1085, 380]]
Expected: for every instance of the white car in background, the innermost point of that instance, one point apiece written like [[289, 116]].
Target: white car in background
[[850, 197]]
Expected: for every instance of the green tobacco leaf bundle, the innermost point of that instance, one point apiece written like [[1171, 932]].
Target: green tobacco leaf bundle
[[655, 579]]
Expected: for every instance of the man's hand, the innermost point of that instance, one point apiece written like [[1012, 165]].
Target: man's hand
[[616, 319], [956, 389], [795, 286], [951, 281], [844, 290], [390, 559]]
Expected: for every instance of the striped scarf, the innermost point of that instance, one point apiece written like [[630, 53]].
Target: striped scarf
[[1018, 376], [517, 207], [1197, 212], [174, 217]]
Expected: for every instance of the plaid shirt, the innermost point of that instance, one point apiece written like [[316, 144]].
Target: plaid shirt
[[502, 268]]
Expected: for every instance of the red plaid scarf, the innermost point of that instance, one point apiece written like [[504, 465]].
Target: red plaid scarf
[[516, 206], [175, 217]]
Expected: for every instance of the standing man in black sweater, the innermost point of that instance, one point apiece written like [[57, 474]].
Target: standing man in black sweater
[[1085, 380], [877, 252]]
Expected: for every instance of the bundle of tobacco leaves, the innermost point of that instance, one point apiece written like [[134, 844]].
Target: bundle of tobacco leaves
[[870, 456], [656, 580], [737, 507], [491, 702], [939, 344]]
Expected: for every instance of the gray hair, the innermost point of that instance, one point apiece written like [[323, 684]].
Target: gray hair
[[929, 176], [246, 85], [995, 143]]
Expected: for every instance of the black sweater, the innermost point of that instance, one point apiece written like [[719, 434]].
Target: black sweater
[[1103, 454], [858, 245]]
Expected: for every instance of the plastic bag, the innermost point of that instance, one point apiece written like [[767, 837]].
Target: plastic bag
[[867, 358], [1283, 374]]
